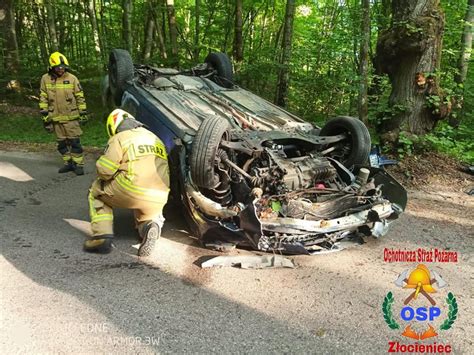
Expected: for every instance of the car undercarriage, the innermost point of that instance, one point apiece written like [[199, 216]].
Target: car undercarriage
[[251, 173]]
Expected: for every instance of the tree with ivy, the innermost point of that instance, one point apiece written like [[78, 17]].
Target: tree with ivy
[[409, 51]]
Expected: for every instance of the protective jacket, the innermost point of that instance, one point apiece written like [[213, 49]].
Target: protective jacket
[[137, 162], [62, 97]]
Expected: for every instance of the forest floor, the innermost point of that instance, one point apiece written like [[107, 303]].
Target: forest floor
[[434, 170]]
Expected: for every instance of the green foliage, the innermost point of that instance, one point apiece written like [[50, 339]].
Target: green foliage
[[21, 128], [408, 27], [324, 79], [406, 144], [29, 129], [456, 142]]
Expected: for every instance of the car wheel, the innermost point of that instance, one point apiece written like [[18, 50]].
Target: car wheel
[[355, 149], [120, 71], [204, 160], [222, 64]]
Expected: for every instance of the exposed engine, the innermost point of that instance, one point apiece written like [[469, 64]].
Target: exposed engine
[[274, 172], [304, 172]]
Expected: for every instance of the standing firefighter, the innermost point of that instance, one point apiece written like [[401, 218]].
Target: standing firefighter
[[63, 106], [132, 173]]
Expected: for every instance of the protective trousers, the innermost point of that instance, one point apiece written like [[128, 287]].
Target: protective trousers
[[69, 143], [105, 195]]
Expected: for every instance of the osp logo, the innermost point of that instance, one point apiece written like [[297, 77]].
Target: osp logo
[[421, 282]]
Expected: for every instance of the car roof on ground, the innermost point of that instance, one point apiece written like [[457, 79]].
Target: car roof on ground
[[190, 99]]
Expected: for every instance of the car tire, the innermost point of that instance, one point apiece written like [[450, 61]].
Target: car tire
[[222, 64], [358, 142], [120, 71], [204, 150]]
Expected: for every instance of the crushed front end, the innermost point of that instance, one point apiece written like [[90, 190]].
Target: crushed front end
[[324, 218]]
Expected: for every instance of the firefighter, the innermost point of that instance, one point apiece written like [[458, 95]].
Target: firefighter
[[63, 107], [132, 173]]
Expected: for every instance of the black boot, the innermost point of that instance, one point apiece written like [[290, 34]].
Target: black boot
[[69, 166], [79, 169], [151, 233]]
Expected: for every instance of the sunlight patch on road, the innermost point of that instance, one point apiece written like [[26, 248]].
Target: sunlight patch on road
[[10, 171], [442, 216], [80, 225]]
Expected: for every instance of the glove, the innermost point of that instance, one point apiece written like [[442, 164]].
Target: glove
[[44, 116], [48, 126], [83, 119]]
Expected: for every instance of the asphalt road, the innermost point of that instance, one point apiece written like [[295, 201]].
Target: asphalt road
[[56, 298]]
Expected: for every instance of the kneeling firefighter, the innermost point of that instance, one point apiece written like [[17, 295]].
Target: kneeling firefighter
[[132, 173], [63, 107]]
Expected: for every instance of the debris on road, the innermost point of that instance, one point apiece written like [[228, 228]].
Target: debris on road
[[250, 262], [221, 246]]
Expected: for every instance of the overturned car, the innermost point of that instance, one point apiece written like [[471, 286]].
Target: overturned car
[[250, 173]]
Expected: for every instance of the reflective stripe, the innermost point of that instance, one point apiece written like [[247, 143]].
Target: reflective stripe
[[92, 212], [43, 105], [108, 164], [102, 217], [162, 196], [82, 107], [131, 159], [79, 94], [95, 217], [78, 159], [64, 118], [42, 93], [60, 86]]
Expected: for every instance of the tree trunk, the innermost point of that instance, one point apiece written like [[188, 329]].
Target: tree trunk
[[383, 21], [40, 31], [8, 31], [127, 25], [83, 52], [364, 61], [466, 43], [409, 52], [160, 36], [149, 31], [51, 25], [103, 28], [173, 31], [228, 29], [61, 29], [197, 29], [284, 72], [19, 15], [95, 32], [238, 41], [463, 65]]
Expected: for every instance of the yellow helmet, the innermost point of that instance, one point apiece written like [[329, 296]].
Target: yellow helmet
[[57, 59], [420, 279], [114, 120]]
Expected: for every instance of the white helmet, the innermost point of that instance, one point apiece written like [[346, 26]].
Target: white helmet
[[114, 120]]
